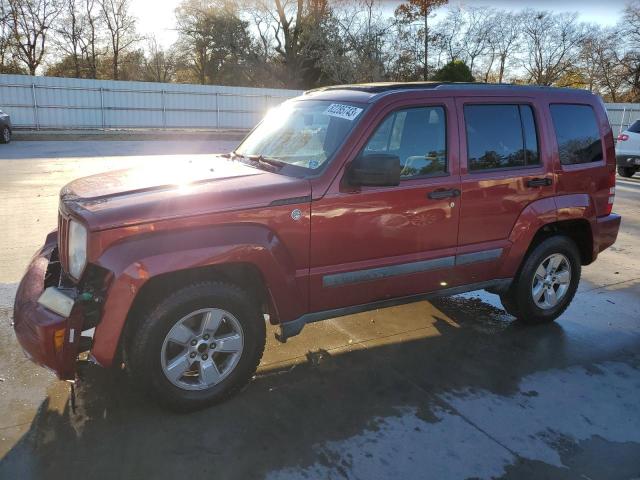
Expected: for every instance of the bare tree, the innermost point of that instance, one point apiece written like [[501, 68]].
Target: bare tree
[[358, 50], [5, 33], [262, 22], [70, 29], [631, 57], [507, 38], [92, 34], [413, 10], [121, 27], [551, 44], [30, 21], [159, 62], [631, 20], [288, 18], [448, 33], [590, 54], [478, 30], [294, 31], [601, 64]]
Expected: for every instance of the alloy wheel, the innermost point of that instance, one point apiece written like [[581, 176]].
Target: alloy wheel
[[202, 349], [551, 281]]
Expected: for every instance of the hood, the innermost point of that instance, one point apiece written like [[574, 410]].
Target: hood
[[185, 188]]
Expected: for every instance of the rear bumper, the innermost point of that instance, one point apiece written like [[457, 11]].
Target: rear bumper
[[628, 160], [37, 327], [606, 231]]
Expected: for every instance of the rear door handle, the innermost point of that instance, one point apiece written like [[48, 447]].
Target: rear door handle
[[539, 182], [439, 194]]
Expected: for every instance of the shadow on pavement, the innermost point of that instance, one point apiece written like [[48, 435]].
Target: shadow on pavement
[[276, 421]]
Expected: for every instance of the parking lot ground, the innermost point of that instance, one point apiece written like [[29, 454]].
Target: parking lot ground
[[447, 389]]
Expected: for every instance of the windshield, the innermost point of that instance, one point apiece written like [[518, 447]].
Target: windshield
[[302, 135]]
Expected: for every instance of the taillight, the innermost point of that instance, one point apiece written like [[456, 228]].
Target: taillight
[[612, 192], [623, 137]]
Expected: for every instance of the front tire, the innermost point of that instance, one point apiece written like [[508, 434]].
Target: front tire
[[546, 283], [198, 346], [626, 172], [5, 135]]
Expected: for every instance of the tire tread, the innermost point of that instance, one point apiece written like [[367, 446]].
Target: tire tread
[[517, 301], [137, 351]]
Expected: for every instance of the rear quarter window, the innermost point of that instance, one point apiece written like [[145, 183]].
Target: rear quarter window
[[635, 127], [577, 134]]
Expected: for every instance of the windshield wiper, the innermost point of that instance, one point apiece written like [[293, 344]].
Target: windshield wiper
[[274, 162], [259, 160]]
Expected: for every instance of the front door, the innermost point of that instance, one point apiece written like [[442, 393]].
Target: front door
[[376, 243]]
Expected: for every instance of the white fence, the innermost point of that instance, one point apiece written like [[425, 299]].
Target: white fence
[[69, 103]]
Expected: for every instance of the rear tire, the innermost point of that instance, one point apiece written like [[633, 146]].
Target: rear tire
[[198, 346], [626, 172], [5, 135], [546, 283]]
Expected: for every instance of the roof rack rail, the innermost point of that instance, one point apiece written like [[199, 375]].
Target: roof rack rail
[[383, 87]]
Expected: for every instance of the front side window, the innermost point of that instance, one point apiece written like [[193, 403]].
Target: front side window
[[417, 136], [577, 133], [500, 136], [301, 135]]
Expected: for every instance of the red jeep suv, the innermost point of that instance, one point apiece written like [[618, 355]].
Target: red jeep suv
[[342, 200]]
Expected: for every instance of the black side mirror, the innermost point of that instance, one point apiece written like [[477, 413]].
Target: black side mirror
[[375, 170]]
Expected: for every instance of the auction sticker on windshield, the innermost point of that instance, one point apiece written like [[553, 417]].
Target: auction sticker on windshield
[[348, 112]]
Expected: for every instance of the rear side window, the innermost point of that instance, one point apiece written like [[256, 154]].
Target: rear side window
[[500, 136], [635, 127], [577, 133], [418, 136]]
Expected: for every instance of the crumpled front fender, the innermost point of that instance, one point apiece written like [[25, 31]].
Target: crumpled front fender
[[137, 260]]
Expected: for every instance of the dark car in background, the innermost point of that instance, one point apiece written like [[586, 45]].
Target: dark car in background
[[5, 127]]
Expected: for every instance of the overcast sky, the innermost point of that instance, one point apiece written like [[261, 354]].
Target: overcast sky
[[157, 17]]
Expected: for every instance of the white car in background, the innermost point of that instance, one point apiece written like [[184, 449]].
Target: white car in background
[[628, 151]]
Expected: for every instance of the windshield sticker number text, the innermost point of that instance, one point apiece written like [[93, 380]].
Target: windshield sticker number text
[[347, 112]]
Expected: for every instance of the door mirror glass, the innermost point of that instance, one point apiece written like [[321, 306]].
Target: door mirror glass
[[375, 170]]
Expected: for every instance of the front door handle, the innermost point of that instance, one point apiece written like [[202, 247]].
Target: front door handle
[[440, 194], [539, 182]]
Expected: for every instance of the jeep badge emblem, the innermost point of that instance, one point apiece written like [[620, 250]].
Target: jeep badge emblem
[[296, 214]]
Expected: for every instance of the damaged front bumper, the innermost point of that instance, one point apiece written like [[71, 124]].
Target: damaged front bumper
[[49, 338]]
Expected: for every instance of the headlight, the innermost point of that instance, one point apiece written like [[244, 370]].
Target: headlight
[[77, 249]]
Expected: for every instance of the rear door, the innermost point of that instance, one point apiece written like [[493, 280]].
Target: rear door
[[501, 171], [376, 243]]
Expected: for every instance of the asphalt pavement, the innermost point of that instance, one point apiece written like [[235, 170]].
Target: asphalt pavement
[[449, 389]]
